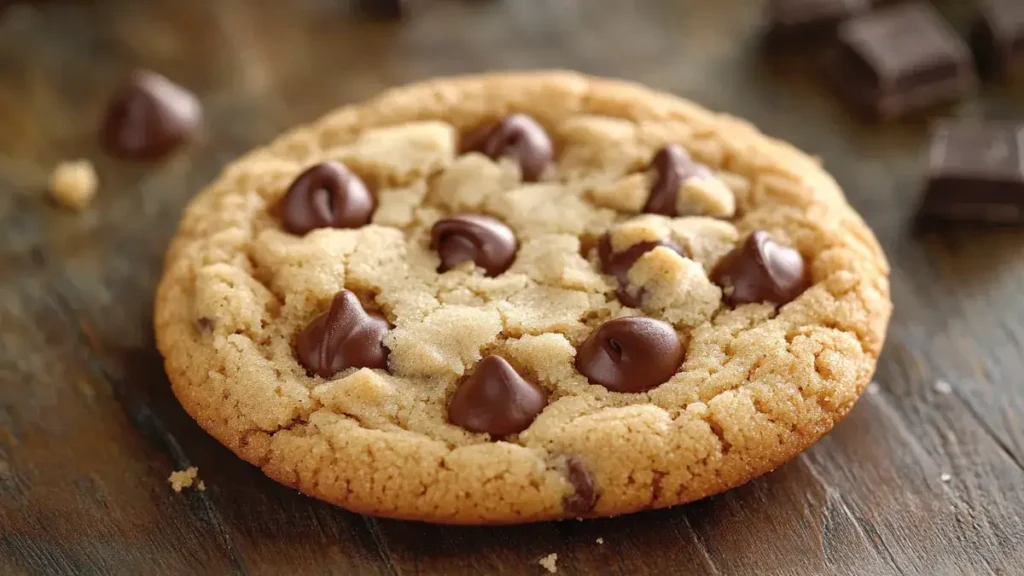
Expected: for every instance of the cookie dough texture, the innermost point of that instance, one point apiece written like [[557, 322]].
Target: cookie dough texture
[[758, 385]]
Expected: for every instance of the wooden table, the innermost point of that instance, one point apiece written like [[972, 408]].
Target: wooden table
[[924, 477]]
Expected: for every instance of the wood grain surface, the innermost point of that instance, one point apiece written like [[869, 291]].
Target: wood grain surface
[[89, 430]]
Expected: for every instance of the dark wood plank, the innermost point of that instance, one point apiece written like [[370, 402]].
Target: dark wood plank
[[89, 430]]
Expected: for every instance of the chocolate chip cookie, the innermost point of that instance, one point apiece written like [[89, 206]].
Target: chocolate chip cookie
[[518, 297]]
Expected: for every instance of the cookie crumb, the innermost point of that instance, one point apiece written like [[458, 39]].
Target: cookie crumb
[[184, 478], [73, 184], [201, 486], [943, 387], [945, 477], [600, 540], [549, 562]]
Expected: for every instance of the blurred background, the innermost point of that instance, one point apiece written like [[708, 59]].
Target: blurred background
[[925, 476]]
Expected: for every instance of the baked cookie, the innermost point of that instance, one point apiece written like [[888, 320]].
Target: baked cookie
[[518, 297]]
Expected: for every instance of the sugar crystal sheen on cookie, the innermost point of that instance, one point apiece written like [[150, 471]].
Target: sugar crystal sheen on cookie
[[452, 302]]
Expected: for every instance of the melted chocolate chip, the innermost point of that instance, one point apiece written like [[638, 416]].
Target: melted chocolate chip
[[204, 324], [149, 117], [518, 136], [631, 354], [618, 263], [761, 270], [327, 195], [583, 497], [672, 167], [488, 242], [346, 336], [495, 399]]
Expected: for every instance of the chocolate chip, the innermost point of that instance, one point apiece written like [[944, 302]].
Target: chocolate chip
[[672, 167], [631, 354], [495, 399], [761, 270], [488, 242], [346, 336], [518, 136], [583, 497], [618, 263], [149, 117], [327, 195]]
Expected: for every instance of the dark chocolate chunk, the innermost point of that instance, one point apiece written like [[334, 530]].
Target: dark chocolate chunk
[[518, 136], [998, 37], [792, 18], [327, 195], [761, 270], [345, 336], [672, 167], [382, 9], [975, 173], [495, 399], [149, 117], [632, 354], [583, 496], [488, 242], [618, 263], [902, 60]]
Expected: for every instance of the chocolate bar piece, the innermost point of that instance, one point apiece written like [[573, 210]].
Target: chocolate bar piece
[[793, 18], [902, 60], [975, 173], [998, 37]]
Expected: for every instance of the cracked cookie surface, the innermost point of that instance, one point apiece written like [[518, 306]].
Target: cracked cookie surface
[[755, 384]]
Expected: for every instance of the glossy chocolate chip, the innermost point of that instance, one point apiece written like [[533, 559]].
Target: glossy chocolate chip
[[346, 336], [327, 195], [488, 242], [630, 354], [149, 117], [761, 270], [583, 496], [495, 399], [518, 136], [672, 168], [618, 264]]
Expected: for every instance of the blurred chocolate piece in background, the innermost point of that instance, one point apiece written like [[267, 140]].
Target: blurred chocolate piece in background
[[901, 60], [382, 9], [809, 19], [998, 37], [975, 173], [149, 117]]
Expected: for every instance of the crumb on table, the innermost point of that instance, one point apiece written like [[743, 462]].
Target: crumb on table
[[73, 184], [184, 478], [600, 540], [549, 562]]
